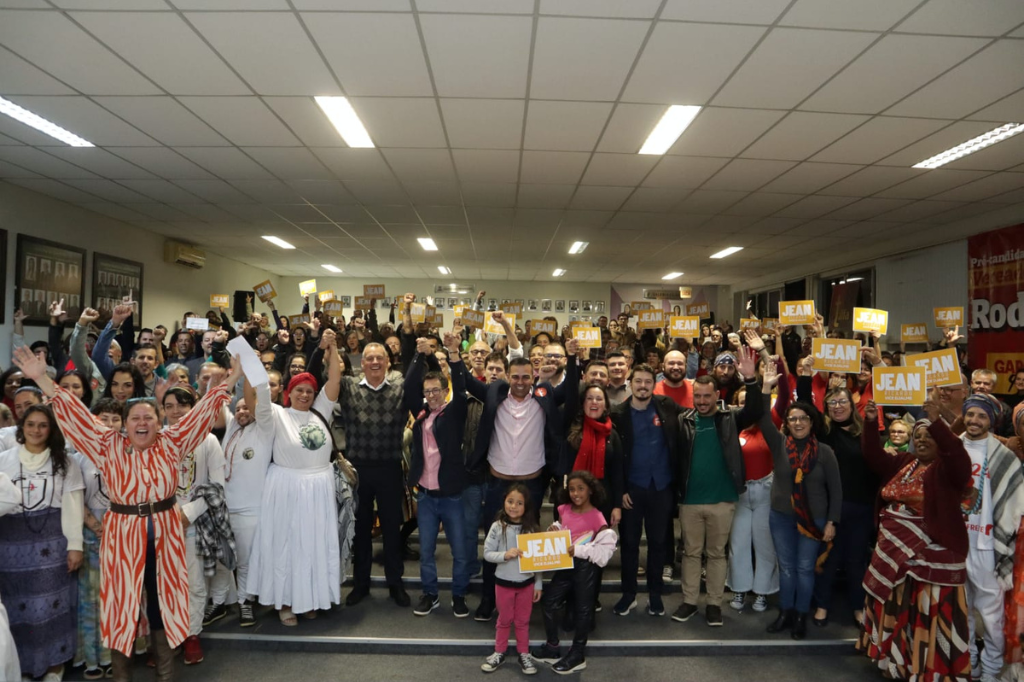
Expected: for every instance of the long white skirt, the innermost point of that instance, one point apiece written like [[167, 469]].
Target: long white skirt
[[295, 558], [10, 668]]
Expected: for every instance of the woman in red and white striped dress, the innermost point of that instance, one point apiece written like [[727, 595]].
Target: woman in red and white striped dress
[[143, 540]]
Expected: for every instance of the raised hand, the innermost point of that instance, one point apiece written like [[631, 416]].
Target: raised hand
[[328, 339], [870, 412], [572, 346], [88, 316], [805, 367], [57, 310], [546, 372], [771, 377], [953, 335], [451, 342], [498, 316], [19, 315], [745, 365], [121, 313], [753, 340], [31, 366], [220, 337], [423, 346], [409, 299]]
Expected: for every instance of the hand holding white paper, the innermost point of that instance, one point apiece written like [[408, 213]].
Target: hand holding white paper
[[253, 369]]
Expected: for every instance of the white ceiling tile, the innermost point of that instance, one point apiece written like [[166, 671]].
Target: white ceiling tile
[[491, 217], [433, 192], [577, 218], [683, 172], [477, 6], [950, 136], [216, 191], [864, 15], [100, 161], [166, 49], [420, 164], [1002, 156], [40, 162], [981, 80], [211, 214], [877, 139], [347, 214], [814, 206], [442, 215], [142, 5], [600, 198], [83, 117], [306, 120], [355, 165], [355, 5], [268, 191], [21, 78], [483, 123], [478, 56], [687, 63], [487, 165], [372, 54], [163, 162], [653, 199], [724, 132], [54, 188], [640, 9], [965, 17], [932, 182], [919, 210], [20, 132], [379, 191], [161, 190], [747, 174], [394, 214], [245, 121], [227, 163], [289, 163], [270, 50], [808, 178], [321, 191], [297, 213], [761, 204], [800, 135], [9, 170], [869, 180], [111, 191], [488, 194], [24, 4], [788, 65], [233, 4], [736, 12], [538, 218], [564, 126], [618, 169], [866, 208], [553, 167], [70, 54], [1007, 109], [118, 212], [4, 140], [894, 67], [629, 127], [400, 122], [706, 202], [545, 196], [163, 119], [583, 59]]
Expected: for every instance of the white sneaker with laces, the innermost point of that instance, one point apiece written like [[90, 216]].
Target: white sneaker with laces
[[527, 665], [737, 601], [493, 662], [666, 574], [760, 603]]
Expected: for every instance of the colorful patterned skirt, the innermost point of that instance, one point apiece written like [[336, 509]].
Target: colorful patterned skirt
[[91, 651], [1013, 623], [39, 593]]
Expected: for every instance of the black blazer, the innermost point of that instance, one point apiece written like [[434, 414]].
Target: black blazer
[[549, 398], [448, 430], [668, 412]]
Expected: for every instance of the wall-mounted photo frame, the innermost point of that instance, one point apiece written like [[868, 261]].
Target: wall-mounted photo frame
[[452, 302], [545, 305], [531, 304], [587, 306], [560, 306], [385, 302], [346, 301], [113, 279], [45, 272], [574, 306], [598, 306]]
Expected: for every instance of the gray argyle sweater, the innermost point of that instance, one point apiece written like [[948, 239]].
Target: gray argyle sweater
[[373, 420]]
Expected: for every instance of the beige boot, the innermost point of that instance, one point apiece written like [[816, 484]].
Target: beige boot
[[120, 666], [164, 656]]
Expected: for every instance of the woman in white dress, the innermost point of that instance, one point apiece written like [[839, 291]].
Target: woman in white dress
[[295, 563]]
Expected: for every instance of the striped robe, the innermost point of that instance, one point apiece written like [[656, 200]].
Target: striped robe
[[134, 477]]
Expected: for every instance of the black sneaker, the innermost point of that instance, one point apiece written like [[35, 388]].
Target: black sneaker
[[428, 603], [655, 607], [527, 665], [357, 595], [625, 605], [484, 611], [685, 612], [597, 606], [246, 617], [459, 608], [548, 653], [400, 596], [493, 662], [213, 613], [571, 663], [713, 614]]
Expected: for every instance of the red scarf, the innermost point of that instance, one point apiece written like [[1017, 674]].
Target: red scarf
[[801, 462], [591, 453]]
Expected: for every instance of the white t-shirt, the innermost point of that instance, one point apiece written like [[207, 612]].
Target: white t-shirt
[[8, 438], [96, 496], [247, 453], [301, 440], [979, 525], [40, 489], [203, 465]]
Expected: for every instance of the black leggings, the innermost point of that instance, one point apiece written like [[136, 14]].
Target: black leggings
[[156, 622], [574, 588]]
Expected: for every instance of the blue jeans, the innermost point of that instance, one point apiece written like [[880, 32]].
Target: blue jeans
[[473, 504], [431, 513], [797, 555]]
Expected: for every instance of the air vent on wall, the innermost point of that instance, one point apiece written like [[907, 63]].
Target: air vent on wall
[[184, 254]]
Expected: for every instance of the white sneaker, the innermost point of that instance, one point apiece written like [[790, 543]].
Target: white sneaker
[[493, 662], [666, 574], [737, 601], [760, 603]]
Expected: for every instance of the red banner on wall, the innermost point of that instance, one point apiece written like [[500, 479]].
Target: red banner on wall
[[996, 287]]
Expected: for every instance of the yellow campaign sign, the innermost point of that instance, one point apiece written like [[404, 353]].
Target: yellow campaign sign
[[308, 287], [538, 326], [296, 320], [870, 320], [459, 309], [373, 290], [749, 323], [770, 325], [265, 291], [513, 309], [473, 318], [796, 312], [685, 292], [948, 317], [650, 319], [588, 337], [220, 300], [942, 367], [493, 327], [544, 551], [365, 303], [438, 319], [418, 312], [914, 333], [699, 309], [636, 306], [684, 327], [1006, 366], [836, 355], [332, 307], [899, 385], [325, 296]]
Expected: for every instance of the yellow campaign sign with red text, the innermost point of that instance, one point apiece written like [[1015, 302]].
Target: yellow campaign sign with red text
[[906, 386], [836, 355], [916, 332], [870, 320], [796, 312], [684, 327], [942, 367], [544, 551]]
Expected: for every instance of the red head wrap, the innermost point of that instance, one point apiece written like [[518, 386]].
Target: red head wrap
[[297, 380]]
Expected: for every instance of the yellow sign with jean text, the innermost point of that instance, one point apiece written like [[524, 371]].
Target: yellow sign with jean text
[[325, 296], [684, 327], [265, 290], [905, 386], [332, 308], [650, 319], [796, 312], [942, 367], [492, 326], [870, 320], [473, 318], [308, 287], [770, 325], [914, 333], [948, 317], [749, 323], [513, 309], [546, 326], [588, 337], [836, 355], [220, 300], [364, 303], [295, 320], [544, 551], [373, 290], [418, 312], [636, 306], [699, 309]]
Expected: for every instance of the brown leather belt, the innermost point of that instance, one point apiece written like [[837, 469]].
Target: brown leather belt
[[145, 508]]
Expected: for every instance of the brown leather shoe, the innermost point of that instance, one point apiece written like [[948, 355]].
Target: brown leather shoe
[[120, 666], [164, 656]]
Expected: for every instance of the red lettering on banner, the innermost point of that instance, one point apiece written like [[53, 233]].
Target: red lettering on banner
[[996, 310]]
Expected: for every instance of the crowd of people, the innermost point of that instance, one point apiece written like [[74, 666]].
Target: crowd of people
[[152, 482]]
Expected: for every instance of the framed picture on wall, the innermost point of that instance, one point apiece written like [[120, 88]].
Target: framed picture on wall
[[545, 305], [598, 306], [531, 304], [385, 302], [560, 306], [587, 306], [574, 306], [346, 301], [115, 278], [45, 272], [452, 302]]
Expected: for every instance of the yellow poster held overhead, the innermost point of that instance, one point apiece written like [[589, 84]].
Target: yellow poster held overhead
[[684, 327], [366, 303], [836, 355], [373, 290], [325, 296], [942, 367], [295, 320], [544, 551], [308, 287], [770, 325], [473, 318], [459, 309], [650, 319], [491, 326], [904, 386], [546, 326], [418, 312], [640, 305], [914, 333], [332, 307], [948, 317], [513, 309], [749, 323], [870, 320], [796, 312], [699, 309], [265, 291], [220, 300], [588, 337]]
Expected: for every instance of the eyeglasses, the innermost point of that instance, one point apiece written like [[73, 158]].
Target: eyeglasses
[[427, 392], [296, 366], [480, 351], [554, 356], [838, 403], [797, 420]]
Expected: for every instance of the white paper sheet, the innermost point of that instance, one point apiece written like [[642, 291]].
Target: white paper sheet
[[253, 368]]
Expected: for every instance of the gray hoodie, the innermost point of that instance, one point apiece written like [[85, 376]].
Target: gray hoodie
[[498, 542]]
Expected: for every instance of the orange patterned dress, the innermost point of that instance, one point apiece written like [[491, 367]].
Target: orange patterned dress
[[134, 477]]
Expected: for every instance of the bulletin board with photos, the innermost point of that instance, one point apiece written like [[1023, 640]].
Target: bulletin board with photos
[[45, 272], [115, 278]]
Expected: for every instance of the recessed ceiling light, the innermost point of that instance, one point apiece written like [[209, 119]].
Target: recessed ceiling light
[[578, 247], [331, 268], [673, 275], [280, 242], [558, 272], [973, 145], [41, 124], [345, 120], [669, 128], [727, 252], [427, 243], [443, 270]]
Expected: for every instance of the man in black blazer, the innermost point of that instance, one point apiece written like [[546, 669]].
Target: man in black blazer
[[648, 425]]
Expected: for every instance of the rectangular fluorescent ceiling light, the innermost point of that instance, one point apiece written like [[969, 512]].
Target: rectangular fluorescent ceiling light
[[427, 243], [331, 268], [345, 120], [727, 252], [443, 270], [279, 242], [673, 275], [41, 124], [669, 128], [578, 247], [976, 144], [558, 272]]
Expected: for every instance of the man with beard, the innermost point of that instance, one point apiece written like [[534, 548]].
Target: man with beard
[[675, 385]]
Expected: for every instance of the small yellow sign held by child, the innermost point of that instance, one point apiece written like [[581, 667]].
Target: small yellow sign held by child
[[544, 551]]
